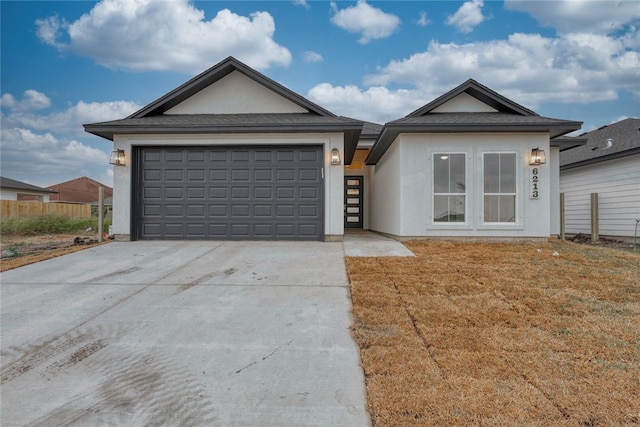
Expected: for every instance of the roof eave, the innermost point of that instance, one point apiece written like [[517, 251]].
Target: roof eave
[[391, 131], [109, 131], [594, 160]]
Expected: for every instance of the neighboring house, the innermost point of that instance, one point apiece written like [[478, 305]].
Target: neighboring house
[[609, 164], [10, 189], [231, 154], [79, 190]]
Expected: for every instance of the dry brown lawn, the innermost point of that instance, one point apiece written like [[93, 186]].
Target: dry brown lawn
[[500, 334]]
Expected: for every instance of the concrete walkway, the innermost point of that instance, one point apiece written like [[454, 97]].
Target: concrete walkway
[[182, 333], [359, 243]]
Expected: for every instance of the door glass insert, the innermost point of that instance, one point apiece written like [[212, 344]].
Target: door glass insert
[[353, 201]]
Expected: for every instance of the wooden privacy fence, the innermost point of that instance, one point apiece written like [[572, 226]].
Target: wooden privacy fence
[[24, 209]]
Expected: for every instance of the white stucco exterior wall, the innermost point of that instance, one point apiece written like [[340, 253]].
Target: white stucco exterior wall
[[333, 175], [402, 186], [385, 206]]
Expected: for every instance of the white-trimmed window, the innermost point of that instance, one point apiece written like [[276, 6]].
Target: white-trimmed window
[[499, 187], [449, 188]]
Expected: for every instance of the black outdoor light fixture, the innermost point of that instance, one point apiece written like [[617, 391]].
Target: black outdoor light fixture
[[117, 158], [537, 157], [335, 156]]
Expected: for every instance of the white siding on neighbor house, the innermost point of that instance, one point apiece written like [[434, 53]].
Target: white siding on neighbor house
[[8, 194], [403, 185], [617, 183], [333, 175], [385, 182], [236, 94]]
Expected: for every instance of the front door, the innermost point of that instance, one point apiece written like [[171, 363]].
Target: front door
[[353, 201]]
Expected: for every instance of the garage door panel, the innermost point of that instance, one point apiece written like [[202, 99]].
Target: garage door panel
[[173, 193], [174, 156], [196, 156], [309, 193], [283, 193], [173, 211], [150, 193], [263, 193], [230, 193], [308, 175]]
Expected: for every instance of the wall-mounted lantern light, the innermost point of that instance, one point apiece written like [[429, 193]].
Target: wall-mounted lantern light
[[335, 156], [537, 157], [117, 158]]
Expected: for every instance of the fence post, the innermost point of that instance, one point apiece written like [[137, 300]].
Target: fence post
[[595, 232], [100, 213], [562, 216]]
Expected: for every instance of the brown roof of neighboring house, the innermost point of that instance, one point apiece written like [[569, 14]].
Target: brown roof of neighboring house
[[79, 190]]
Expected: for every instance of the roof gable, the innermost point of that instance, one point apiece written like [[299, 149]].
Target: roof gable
[[479, 92], [470, 108], [215, 74], [236, 93], [464, 103]]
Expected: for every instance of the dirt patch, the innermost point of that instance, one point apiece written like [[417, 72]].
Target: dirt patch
[[499, 334], [18, 251], [605, 242]]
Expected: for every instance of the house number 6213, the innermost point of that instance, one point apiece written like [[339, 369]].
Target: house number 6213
[[535, 183]]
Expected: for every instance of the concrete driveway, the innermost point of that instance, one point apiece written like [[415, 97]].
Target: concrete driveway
[[181, 334]]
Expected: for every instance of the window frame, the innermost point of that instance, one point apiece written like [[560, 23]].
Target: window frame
[[516, 223], [467, 193]]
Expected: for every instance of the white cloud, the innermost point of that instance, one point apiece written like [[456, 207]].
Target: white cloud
[[68, 121], [52, 147], [580, 16], [45, 160], [32, 100], [173, 35], [468, 16], [377, 104], [372, 23], [423, 21], [310, 57], [303, 3], [527, 67], [50, 30]]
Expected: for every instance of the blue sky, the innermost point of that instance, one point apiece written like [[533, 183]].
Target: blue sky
[[65, 63]]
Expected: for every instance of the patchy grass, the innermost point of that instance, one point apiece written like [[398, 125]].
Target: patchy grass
[[47, 224], [500, 334]]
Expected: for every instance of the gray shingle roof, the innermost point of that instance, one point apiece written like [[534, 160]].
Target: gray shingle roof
[[445, 120], [18, 185], [469, 122], [625, 140], [217, 72], [510, 117]]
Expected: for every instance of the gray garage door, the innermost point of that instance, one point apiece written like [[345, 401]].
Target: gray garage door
[[235, 193]]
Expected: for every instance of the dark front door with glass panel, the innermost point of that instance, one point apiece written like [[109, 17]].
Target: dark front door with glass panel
[[353, 202]]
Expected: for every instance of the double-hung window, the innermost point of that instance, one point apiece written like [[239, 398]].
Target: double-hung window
[[499, 187], [449, 188]]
